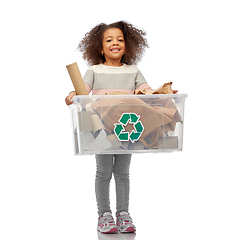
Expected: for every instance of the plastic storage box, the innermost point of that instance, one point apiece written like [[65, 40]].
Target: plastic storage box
[[121, 124]]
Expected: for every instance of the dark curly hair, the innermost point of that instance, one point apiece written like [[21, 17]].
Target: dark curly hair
[[135, 43]]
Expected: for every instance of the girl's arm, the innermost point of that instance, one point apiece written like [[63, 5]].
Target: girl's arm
[[68, 99], [144, 86]]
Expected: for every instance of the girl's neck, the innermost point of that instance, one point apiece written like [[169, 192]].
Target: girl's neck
[[112, 63]]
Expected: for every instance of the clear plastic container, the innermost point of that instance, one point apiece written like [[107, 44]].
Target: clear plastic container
[[123, 124]]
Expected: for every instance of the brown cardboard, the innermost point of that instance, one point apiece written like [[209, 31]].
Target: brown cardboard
[[158, 115], [76, 78], [97, 123], [155, 119], [164, 89]]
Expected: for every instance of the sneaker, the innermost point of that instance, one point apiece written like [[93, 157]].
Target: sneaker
[[125, 223], [106, 224]]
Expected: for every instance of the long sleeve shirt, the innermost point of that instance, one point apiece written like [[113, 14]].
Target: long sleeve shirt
[[101, 79]]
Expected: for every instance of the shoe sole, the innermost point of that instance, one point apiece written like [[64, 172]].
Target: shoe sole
[[113, 230], [128, 230]]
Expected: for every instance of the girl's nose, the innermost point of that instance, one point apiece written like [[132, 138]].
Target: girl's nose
[[115, 42]]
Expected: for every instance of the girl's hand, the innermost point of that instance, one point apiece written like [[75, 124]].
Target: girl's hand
[[68, 99]]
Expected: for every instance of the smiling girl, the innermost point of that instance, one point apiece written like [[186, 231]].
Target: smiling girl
[[112, 50]]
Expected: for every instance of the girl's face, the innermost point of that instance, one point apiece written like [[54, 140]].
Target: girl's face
[[113, 46]]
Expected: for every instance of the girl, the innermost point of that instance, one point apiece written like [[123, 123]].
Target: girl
[[112, 50]]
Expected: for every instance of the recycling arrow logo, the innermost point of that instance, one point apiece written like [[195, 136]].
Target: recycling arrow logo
[[130, 118]]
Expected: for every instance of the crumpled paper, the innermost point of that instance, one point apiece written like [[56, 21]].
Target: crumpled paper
[[158, 115], [166, 88]]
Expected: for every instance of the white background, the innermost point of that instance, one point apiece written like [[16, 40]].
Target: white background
[[47, 193]]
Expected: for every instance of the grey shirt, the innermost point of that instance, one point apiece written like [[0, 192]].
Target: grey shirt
[[103, 79]]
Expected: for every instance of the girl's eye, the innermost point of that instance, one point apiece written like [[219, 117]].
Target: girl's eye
[[109, 40], [120, 40]]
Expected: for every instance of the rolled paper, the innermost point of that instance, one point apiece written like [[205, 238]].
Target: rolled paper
[[97, 123], [90, 109], [77, 80]]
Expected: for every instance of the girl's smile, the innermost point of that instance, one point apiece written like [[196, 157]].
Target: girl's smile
[[113, 46], [114, 49]]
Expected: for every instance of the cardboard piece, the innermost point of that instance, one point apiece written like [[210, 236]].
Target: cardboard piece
[[77, 80], [155, 119], [164, 89], [151, 141]]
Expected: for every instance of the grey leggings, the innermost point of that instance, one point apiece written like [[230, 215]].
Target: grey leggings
[[118, 165]]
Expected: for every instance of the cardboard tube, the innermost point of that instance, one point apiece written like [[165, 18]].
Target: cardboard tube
[[90, 109], [97, 123], [76, 78]]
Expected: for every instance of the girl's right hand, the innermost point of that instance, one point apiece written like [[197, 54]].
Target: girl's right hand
[[68, 99]]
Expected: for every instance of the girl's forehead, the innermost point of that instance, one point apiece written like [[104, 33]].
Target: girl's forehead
[[112, 32]]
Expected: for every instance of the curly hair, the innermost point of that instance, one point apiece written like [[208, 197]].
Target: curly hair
[[135, 43]]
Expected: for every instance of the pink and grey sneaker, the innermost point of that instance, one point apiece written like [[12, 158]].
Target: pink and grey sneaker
[[106, 224], [125, 223]]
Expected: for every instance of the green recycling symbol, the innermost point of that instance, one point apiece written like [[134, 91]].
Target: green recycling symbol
[[130, 118]]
